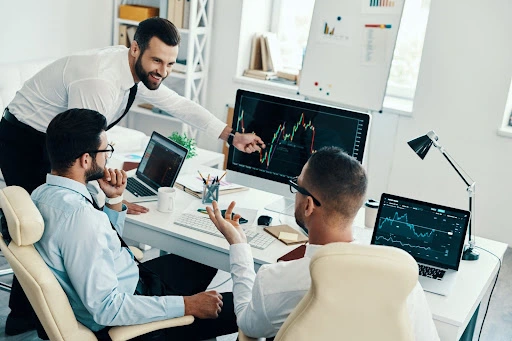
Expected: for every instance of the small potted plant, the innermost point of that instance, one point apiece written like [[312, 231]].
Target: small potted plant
[[187, 142]]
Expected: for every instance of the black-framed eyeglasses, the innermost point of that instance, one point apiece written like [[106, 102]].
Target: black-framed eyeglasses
[[294, 188], [109, 151]]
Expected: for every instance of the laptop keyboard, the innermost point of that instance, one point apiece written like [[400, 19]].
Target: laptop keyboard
[[138, 189], [427, 271], [258, 240]]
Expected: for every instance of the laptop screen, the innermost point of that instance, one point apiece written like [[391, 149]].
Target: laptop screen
[[432, 234], [161, 162]]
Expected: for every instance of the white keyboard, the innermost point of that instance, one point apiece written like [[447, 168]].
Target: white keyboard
[[258, 240]]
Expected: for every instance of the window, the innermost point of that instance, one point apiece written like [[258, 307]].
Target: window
[[292, 19]]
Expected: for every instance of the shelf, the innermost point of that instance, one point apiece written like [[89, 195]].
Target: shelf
[[136, 109], [180, 75], [199, 30]]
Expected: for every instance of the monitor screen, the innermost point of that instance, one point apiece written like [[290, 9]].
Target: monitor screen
[[292, 131], [431, 233], [161, 162]]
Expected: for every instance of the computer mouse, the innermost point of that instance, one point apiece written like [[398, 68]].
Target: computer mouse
[[264, 220]]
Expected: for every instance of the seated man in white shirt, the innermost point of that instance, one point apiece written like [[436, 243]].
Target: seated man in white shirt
[[82, 245], [330, 190]]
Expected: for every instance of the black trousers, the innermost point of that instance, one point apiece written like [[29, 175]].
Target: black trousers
[[184, 277], [24, 162]]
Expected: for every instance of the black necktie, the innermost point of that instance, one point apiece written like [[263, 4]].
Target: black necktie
[[131, 98]]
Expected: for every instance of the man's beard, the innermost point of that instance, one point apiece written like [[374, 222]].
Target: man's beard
[[144, 76], [95, 173]]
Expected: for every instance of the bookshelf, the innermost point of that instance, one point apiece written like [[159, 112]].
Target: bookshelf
[[195, 45]]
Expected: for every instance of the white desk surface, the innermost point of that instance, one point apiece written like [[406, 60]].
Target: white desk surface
[[451, 313]]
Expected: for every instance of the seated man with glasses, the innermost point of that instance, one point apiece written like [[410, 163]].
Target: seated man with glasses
[[82, 245], [330, 191]]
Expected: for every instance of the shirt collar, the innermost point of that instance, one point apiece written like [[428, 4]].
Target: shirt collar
[[124, 67], [60, 181]]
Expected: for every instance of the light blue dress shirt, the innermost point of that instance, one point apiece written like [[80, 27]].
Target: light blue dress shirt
[[85, 255]]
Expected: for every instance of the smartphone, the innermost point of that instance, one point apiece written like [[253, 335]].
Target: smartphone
[[241, 220]]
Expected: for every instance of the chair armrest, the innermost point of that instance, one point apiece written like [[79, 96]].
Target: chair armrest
[[137, 253], [243, 337], [122, 333]]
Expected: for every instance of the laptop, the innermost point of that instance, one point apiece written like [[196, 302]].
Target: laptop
[[159, 167], [433, 234]]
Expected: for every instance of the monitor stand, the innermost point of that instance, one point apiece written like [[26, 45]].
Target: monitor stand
[[284, 206]]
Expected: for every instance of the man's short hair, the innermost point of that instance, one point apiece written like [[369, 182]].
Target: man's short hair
[[161, 28], [72, 133], [337, 180]]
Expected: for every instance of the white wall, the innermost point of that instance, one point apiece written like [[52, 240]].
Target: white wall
[[461, 94], [35, 29]]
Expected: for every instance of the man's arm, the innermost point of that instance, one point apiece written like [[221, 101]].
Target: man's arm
[[192, 113], [248, 297]]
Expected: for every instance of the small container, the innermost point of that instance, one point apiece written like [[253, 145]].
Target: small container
[[371, 207], [210, 193]]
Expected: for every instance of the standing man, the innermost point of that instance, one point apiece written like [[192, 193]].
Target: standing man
[[105, 80], [329, 192]]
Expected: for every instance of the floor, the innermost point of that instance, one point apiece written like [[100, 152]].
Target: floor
[[497, 326]]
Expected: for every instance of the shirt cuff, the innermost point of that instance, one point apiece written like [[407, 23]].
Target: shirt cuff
[[175, 306], [240, 254], [115, 217]]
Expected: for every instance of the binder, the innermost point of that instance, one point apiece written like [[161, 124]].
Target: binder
[[123, 35]]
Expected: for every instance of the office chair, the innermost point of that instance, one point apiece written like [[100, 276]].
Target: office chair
[[44, 292], [358, 292]]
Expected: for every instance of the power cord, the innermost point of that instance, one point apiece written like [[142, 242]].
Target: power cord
[[492, 290]]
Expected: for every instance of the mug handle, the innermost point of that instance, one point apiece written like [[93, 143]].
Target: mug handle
[[171, 203]]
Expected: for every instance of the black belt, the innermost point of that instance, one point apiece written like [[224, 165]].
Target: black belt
[[14, 121]]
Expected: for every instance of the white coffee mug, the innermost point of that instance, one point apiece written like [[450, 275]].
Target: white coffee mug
[[166, 198], [370, 213]]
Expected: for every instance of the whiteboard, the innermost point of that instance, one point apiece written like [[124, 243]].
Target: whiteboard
[[349, 52]]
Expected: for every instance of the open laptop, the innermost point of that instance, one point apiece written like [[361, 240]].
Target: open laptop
[[433, 234], [159, 167]]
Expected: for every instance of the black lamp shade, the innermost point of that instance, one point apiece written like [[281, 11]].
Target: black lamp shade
[[421, 145]]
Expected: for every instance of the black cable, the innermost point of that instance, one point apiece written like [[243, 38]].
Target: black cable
[[492, 290]]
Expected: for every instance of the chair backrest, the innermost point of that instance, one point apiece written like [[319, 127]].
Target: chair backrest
[[358, 292], [26, 226]]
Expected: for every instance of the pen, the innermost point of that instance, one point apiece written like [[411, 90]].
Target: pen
[[223, 175], [202, 210], [208, 180], [202, 177]]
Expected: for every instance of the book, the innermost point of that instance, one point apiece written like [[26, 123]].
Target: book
[[123, 35], [259, 74], [186, 14], [275, 61], [294, 254], [286, 230], [175, 9], [255, 62], [292, 75], [193, 185], [265, 66]]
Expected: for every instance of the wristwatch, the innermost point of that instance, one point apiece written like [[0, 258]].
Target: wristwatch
[[231, 137], [113, 201]]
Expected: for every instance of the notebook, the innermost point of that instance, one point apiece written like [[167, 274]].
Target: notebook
[[432, 234], [159, 167]]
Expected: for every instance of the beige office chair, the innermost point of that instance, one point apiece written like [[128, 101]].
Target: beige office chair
[[44, 292], [358, 292]]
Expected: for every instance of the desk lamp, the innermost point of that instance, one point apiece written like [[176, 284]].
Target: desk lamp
[[421, 146]]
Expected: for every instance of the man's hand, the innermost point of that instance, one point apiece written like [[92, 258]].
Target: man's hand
[[228, 226], [113, 182], [205, 305], [248, 143], [134, 208]]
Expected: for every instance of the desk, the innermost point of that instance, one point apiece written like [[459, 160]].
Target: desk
[[451, 313]]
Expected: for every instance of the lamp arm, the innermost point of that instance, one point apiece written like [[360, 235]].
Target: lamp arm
[[452, 163]]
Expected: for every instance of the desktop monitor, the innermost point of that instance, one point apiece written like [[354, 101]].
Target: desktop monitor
[[292, 130]]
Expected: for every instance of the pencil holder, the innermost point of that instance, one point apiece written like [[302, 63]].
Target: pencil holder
[[210, 193]]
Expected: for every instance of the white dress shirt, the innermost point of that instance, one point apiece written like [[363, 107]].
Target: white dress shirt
[[263, 301], [100, 80]]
